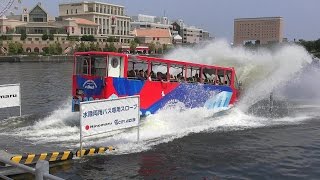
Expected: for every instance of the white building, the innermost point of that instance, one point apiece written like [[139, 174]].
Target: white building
[[189, 34], [111, 18], [146, 21]]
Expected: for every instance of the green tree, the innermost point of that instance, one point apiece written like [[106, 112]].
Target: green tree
[[111, 39], [88, 38], [59, 49], [133, 46], [106, 47], [19, 48], [93, 47], [98, 47], [249, 44], [112, 48], [160, 51], [152, 47], [52, 49], [45, 37], [165, 48], [82, 47], [12, 49], [51, 37], [23, 35], [45, 50], [15, 48], [137, 40], [317, 45]]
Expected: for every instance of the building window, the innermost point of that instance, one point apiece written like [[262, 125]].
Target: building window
[[71, 11], [104, 31], [96, 20], [81, 30], [158, 39], [67, 11], [97, 9], [25, 19], [76, 11], [154, 38]]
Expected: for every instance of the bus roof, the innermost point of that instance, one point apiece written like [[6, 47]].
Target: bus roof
[[147, 58]]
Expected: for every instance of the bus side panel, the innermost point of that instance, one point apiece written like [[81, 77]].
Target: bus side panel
[[192, 96]]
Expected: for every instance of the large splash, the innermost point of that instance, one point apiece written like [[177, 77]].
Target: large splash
[[261, 71]]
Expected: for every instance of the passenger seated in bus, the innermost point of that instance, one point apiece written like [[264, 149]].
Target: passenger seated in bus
[[136, 72], [180, 78], [217, 82], [141, 75], [173, 78], [196, 78], [131, 74], [145, 74], [159, 76], [190, 79], [152, 75], [164, 76]]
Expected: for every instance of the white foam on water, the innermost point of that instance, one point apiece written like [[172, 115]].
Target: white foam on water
[[260, 71]]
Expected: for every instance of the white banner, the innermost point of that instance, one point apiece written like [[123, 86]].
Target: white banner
[[101, 116], [10, 95]]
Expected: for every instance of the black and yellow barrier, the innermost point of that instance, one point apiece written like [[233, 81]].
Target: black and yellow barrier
[[51, 157], [92, 151], [58, 156]]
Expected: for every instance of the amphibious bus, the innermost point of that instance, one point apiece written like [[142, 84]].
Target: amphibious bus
[[160, 83]]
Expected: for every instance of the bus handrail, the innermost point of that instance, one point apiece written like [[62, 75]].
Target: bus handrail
[[38, 171]]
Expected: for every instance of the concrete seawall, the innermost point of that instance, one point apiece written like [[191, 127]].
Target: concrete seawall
[[36, 59]]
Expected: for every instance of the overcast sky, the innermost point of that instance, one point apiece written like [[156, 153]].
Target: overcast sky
[[301, 17]]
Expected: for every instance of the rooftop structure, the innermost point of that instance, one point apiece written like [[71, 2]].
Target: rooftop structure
[[160, 36]]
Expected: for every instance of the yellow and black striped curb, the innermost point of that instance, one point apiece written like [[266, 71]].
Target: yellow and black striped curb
[[51, 157], [92, 151], [58, 156]]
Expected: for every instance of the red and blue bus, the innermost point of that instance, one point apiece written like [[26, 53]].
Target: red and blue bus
[[160, 83]]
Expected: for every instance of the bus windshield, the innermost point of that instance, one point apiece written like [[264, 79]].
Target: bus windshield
[[91, 65]]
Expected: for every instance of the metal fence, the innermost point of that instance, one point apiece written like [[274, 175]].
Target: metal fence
[[41, 171]]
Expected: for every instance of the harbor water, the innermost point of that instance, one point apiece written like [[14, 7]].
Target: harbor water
[[175, 144]]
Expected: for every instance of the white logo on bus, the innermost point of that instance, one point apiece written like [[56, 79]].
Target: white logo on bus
[[89, 84]]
